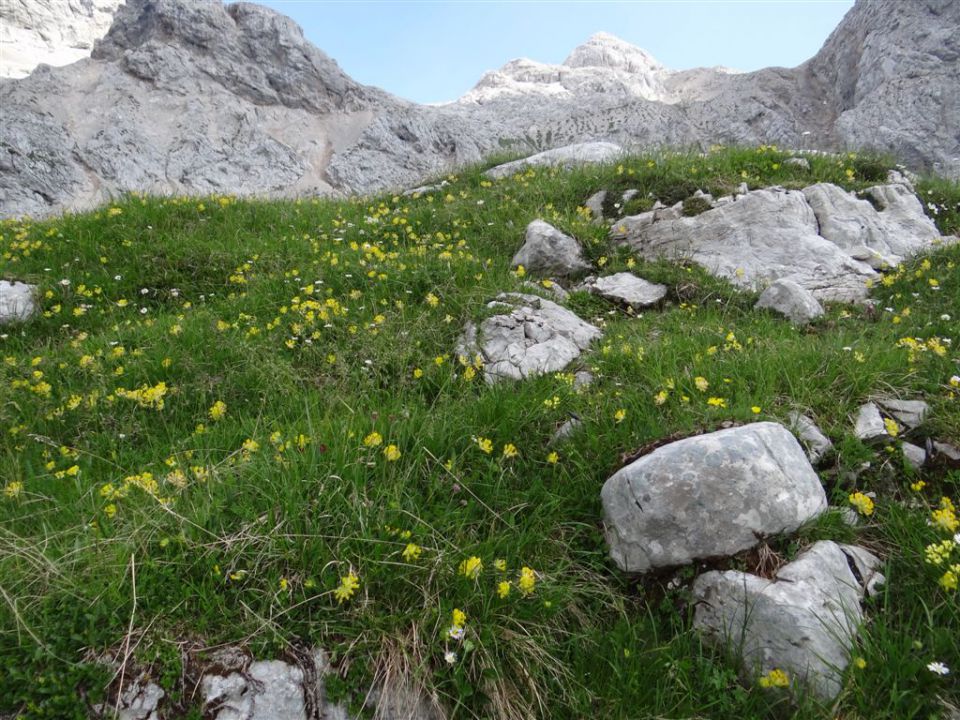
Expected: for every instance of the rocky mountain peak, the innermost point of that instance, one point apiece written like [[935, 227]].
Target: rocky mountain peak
[[603, 50], [253, 51]]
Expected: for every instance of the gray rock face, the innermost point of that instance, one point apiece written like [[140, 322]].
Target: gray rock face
[[269, 689], [878, 238], [193, 97], [915, 455], [869, 424], [813, 439], [54, 32], [909, 413], [140, 701], [792, 301], [709, 496], [532, 336], [567, 156], [764, 236], [547, 251], [18, 301], [804, 622], [627, 289]]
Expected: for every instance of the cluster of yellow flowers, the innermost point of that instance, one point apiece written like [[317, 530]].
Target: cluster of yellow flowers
[[940, 554]]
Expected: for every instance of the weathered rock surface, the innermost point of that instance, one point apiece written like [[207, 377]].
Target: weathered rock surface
[[792, 301], [547, 251], [766, 235], [709, 496], [915, 455], [804, 622], [869, 423], [54, 32], [18, 301], [193, 96], [141, 701], [881, 238], [531, 336], [909, 413], [816, 443], [626, 289], [567, 156]]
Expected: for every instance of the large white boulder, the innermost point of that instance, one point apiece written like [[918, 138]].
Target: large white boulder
[[804, 622], [764, 236], [709, 496]]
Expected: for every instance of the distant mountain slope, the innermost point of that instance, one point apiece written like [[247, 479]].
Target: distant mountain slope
[[192, 96]]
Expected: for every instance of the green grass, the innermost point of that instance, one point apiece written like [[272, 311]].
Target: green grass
[[314, 322]]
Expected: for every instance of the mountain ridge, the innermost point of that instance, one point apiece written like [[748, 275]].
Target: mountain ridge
[[202, 97]]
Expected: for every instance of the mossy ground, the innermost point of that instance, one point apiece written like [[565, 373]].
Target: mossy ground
[[129, 510]]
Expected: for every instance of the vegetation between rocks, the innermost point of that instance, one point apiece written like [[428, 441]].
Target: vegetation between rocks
[[243, 422]]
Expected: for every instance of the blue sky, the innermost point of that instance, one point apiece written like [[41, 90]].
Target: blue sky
[[431, 51]]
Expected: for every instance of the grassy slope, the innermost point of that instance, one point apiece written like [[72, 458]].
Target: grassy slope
[[312, 322]]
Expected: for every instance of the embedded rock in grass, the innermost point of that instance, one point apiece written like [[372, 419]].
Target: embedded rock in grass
[[709, 496], [547, 251], [869, 425], [532, 336], [915, 455], [18, 301], [626, 289], [799, 162], [803, 622], [267, 690], [909, 413], [945, 454], [791, 300], [594, 204], [816, 443], [764, 236], [881, 238], [139, 701], [567, 156]]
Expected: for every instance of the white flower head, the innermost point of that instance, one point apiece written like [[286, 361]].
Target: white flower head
[[449, 657], [455, 632], [938, 668]]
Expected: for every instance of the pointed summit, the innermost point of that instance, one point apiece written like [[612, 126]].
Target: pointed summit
[[604, 50]]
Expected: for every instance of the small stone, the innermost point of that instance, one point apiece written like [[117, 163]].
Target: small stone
[[869, 425], [595, 205], [531, 336], [816, 443], [629, 195], [945, 454], [909, 413], [626, 289], [569, 428], [798, 162], [547, 251], [915, 455], [792, 301], [18, 301], [582, 379]]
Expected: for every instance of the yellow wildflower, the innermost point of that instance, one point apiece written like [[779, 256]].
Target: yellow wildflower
[[619, 415], [373, 439], [527, 581], [862, 503], [510, 450], [485, 444], [471, 567], [503, 589], [391, 453], [701, 383], [411, 552], [775, 678], [217, 410], [349, 584]]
